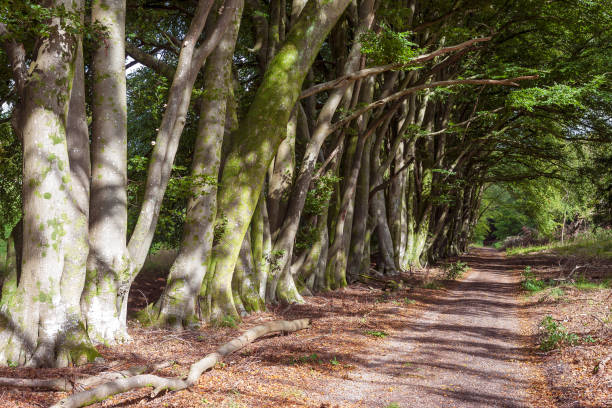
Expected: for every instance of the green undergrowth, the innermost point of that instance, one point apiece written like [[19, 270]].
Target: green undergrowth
[[435, 285], [555, 335], [311, 358], [596, 244], [376, 333], [532, 284], [455, 270], [146, 316]]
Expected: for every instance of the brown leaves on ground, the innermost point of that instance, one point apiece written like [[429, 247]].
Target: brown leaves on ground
[[569, 372], [276, 371]]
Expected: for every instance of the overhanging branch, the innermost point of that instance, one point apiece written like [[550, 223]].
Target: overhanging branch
[[364, 73]]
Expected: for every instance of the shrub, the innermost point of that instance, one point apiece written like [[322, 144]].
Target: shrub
[[555, 335], [531, 283], [456, 270]]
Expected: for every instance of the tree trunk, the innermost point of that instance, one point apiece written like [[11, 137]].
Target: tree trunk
[[108, 264], [286, 236], [261, 242], [337, 262], [177, 305], [260, 134], [395, 204], [244, 279], [282, 177], [360, 225], [77, 347], [106, 297], [40, 313]]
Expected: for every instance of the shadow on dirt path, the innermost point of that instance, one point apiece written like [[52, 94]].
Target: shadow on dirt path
[[464, 351]]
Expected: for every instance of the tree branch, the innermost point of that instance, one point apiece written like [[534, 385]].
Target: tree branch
[[149, 60], [403, 94], [343, 80], [84, 398], [393, 177], [227, 15], [64, 384]]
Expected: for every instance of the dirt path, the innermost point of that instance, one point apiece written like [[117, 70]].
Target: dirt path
[[464, 351]]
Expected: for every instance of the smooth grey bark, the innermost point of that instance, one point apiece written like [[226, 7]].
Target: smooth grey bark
[[108, 264], [177, 305], [261, 242], [337, 257], [191, 59], [286, 236], [320, 281], [279, 185], [260, 133], [244, 280], [359, 232], [106, 299], [36, 314], [360, 224], [77, 244], [378, 212], [395, 203], [377, 202]]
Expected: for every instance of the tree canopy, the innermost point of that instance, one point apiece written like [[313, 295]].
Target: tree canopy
[[279, 148]]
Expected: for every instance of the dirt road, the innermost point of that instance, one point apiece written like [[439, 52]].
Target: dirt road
[[464, 351]]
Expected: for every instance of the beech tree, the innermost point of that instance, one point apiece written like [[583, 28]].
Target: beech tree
[[278, 149]]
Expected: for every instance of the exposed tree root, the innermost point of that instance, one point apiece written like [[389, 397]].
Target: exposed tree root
[[159, 384], [66, 384]]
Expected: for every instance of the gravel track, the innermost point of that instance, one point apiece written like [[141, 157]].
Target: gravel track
[[464, 351]]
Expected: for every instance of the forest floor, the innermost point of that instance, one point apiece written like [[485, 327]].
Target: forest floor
[[434, 343]]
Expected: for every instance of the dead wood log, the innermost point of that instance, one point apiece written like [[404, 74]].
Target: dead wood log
[[67, 384], [159, 384], [53, 384]]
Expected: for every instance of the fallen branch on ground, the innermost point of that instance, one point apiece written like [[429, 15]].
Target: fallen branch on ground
[[65, 384], [160, 384]]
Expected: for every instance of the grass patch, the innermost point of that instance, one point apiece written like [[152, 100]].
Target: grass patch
[[532, 284], [527, 250], [228, 321], [583, 284], [311, 358], [597, 244], [376, 333], [556, 293], [432, 285]]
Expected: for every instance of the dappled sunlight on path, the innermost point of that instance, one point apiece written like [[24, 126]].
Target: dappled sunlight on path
[[464, 351]]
